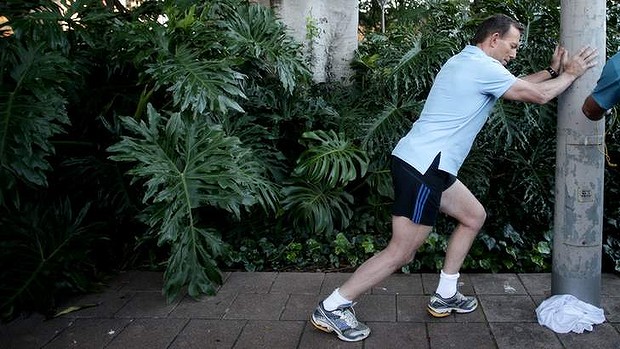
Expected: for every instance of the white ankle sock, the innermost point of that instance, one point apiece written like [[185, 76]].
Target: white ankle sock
[[447, 284], [334, 301]]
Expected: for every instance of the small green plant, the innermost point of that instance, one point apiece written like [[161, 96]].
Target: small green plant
[[312, 33]]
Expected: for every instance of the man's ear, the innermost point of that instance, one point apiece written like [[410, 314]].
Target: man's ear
[[493, 39]]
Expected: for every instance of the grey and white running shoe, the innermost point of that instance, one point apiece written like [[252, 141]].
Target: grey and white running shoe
[[342, 321], [441, 307]]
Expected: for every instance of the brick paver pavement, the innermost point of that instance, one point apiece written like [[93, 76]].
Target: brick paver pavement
[[271, 310]]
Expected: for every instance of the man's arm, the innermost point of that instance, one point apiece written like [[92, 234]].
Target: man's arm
[[606, 93], [544, 91], [539, 93], [555, 65]]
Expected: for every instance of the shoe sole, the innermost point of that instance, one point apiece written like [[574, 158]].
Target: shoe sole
[[325, 328], [447, 312]]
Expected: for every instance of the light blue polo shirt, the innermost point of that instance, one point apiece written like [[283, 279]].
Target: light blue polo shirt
[[458, 105], [607, 90]]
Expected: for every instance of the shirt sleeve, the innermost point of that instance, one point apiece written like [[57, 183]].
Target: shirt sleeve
[[607, 90], [495, 79]]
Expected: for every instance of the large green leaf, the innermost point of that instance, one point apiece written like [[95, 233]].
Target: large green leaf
[[317, 208], [186, 164], [331, 158], [198, 84], [261, 39], [32, 109]]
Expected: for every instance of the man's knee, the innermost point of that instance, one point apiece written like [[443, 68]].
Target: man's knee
[[479, 216], [409, 259], [400, 256], [404, 258]]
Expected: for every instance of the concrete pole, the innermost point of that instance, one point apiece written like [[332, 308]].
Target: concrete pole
[[578, 223]]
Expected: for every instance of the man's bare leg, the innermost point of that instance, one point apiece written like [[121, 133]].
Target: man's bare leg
[[459, 203], [335, 313], [407, 237]]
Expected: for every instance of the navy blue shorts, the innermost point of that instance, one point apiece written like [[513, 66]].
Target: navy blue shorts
[[417, 196]]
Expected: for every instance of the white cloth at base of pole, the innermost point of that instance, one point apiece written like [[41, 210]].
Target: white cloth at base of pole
[[566, 313]]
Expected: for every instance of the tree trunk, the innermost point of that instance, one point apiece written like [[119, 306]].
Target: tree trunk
[[328, 30]]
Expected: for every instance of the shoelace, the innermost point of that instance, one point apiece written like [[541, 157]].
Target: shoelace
[[347, 315], [460, 297]]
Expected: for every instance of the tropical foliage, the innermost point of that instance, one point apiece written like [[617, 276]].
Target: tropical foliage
[[187, 136]]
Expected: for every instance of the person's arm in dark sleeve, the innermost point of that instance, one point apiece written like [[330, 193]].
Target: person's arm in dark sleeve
[[606, 94]]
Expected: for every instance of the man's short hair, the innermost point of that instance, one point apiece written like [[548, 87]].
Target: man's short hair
[[498, 23]]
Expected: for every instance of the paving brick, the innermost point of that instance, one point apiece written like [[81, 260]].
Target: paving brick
[[509, 308], [333, 281], [311, 338], [199, 334], [537, 283], [245, 282], [300, 306], [400, 284], [610, 285], [430, 282], [206, 307], [298, 283], [538, 299], [376, 308], [603, 336], [88, 333], [148, 333], [31, 331], [497, 284], [103, 305], [139, 281], [520, 335], [146, 304], [270, 334], [413, 309], [255, 306], [272, 310], [408, 335], [611, 306], [477, 315], [460, 335]]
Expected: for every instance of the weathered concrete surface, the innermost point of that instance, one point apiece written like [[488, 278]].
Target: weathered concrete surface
[[328, 30]]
